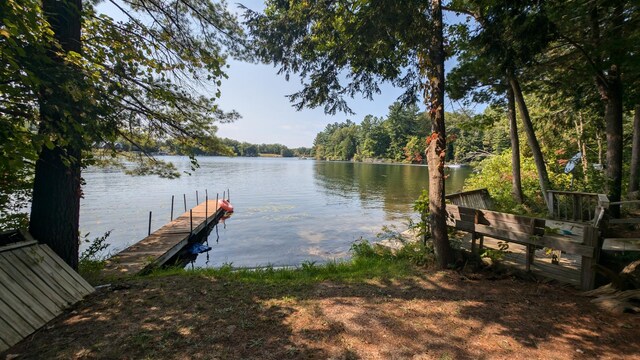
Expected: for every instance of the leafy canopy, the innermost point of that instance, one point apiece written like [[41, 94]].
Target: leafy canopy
[[154, 75], [344, 48]]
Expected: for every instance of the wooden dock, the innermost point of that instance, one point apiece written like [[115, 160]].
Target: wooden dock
[[165, 243]]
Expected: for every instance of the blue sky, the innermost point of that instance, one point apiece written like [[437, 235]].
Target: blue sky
[[259, 95]]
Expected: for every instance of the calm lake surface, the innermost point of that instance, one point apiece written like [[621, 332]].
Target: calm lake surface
[[286, 210]]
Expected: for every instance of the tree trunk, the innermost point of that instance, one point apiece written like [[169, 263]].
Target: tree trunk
[[599, 142], [516, 182], [57, 190], [611, 92], [634, 176], [56, 204], [436, 150], [609, 85], [543, 176], [582, 146]]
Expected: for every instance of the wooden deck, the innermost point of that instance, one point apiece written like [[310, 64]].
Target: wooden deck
[[526, 235], [35, 287], [157, 248], [567, 271]]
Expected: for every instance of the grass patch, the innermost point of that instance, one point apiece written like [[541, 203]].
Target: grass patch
[[354, 270], [90, 270], [368, 262]]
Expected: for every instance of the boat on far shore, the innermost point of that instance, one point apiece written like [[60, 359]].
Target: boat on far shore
[[455, 166]]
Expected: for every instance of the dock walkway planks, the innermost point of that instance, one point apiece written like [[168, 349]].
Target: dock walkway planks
[[35, 287], [163, 244]]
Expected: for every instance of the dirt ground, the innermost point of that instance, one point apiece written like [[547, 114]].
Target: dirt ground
[[430, 316]]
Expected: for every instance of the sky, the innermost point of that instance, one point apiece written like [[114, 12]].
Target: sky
[[258, 93]]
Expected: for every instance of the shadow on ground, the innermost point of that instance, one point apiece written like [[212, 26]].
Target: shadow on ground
[[439, 316]]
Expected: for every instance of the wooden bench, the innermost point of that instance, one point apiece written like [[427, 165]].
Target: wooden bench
[[572, 238], [621, 243]]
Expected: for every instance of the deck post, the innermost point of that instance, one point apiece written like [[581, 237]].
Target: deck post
[[530, 249], [577, 207], [587, 273], [184, 197], [550, 204], [473, 243], [529, 257], [474, 235]]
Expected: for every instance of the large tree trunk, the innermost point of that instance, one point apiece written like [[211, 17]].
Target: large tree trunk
[[516, 182], [609, 85], [611, 91], [57, 185], [437, 147], [543, 176], [634, 176]]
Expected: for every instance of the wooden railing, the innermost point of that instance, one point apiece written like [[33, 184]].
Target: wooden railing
[[573, 238], [575, 206], [477, 199], [623, 204], [621, 243]]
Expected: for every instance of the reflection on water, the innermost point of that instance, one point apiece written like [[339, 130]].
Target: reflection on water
[[287, 210], [391, 187]]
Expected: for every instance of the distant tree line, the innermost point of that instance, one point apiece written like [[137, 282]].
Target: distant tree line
[[402, 136], [224, 147], [246, 149]]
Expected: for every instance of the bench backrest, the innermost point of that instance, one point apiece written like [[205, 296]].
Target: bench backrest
[[475, 199]]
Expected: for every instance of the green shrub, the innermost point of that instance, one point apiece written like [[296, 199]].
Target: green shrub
[[417, 253], [421, 206], [92, 261], [496, 175]]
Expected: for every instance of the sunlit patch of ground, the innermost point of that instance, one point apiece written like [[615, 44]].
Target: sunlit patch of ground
[[427, 316]]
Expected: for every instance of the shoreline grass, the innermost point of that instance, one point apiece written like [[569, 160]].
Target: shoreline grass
[[355, 270], [368, 261]]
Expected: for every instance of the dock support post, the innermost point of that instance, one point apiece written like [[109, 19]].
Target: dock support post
[[149, 233], [172, 198], [228, 195], [206, 210], [197, 201], [184, 196], [191, 221]]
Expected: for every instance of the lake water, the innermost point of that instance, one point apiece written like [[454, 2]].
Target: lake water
[[286, 210]]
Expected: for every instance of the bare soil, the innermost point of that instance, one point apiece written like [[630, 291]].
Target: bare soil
[[439, 315]]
